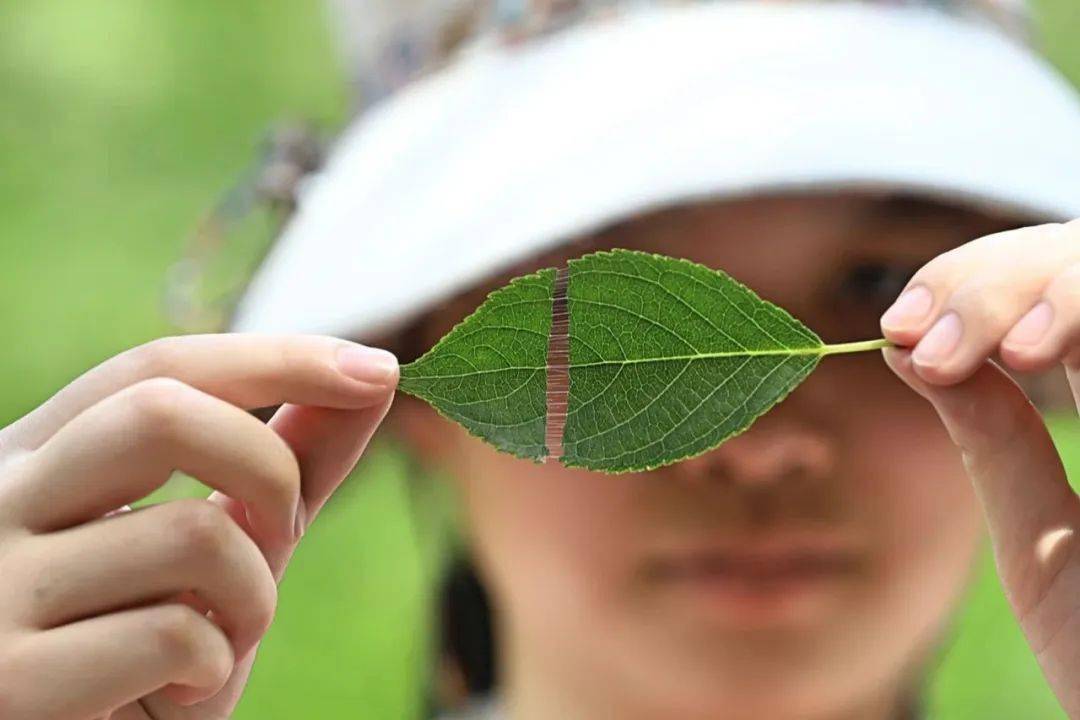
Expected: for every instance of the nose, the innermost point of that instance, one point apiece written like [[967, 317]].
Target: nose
[[767, 453]]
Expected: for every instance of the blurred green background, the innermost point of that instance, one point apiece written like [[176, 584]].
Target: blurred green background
[[121, 122]]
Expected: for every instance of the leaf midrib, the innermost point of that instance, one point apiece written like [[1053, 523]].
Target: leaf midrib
[[633, 361], [852, 347]]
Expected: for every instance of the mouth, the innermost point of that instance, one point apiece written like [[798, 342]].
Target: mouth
[[760, 581]]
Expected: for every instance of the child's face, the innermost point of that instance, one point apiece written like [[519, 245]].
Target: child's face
[[809, 563]]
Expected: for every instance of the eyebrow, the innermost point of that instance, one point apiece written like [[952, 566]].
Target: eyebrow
[[956, 222], [909, 207], [913, 206]]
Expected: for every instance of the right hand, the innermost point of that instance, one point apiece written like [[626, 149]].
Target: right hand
[[156, 613]]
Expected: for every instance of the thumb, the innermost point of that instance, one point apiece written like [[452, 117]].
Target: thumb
[[327, 442], [1032, 513]]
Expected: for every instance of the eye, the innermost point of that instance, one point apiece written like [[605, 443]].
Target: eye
[[861, 293], [873, 285]]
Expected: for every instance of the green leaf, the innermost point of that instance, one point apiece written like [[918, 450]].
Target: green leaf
[[489, 372], [667, 359]]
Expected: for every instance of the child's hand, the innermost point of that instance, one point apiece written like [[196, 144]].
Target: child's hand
[[1017, 293], [145, 612]]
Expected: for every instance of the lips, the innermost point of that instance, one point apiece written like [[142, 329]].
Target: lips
[[758, 567], [760, 580]]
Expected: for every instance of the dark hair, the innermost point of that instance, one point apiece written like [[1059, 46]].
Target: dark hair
[[467, 631]]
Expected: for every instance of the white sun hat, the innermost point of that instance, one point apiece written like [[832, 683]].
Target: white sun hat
[[512, 147]]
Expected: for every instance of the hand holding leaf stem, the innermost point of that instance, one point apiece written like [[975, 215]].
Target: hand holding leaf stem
[[156, 613], [1016, 293]]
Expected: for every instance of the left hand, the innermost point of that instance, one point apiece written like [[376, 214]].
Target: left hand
[[1017, 293]]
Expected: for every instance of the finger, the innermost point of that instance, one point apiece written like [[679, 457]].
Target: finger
[[149, 555], [161, 705], [1050, 331], [127, 445], [112, 660], [327, 444], [958, 308], [1031, 511], [247, 370]]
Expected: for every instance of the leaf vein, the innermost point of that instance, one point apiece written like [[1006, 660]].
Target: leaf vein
[[679, 298]]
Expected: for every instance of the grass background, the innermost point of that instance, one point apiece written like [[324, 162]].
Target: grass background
[[120, 122]]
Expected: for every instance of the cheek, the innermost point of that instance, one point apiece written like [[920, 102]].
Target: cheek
[[929, 518], [918, 503], [546, 535]]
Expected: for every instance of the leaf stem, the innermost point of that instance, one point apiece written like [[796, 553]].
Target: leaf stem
[[854, 347]]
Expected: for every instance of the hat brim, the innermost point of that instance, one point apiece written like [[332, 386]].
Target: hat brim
[[511, 150]]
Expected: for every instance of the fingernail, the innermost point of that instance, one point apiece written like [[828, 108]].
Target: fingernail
[[300, 522], [940, 340], [368, 364], [1033, 326], [911, 307]]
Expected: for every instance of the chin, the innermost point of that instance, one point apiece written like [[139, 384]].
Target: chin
[[777, 695], [777, 672]]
